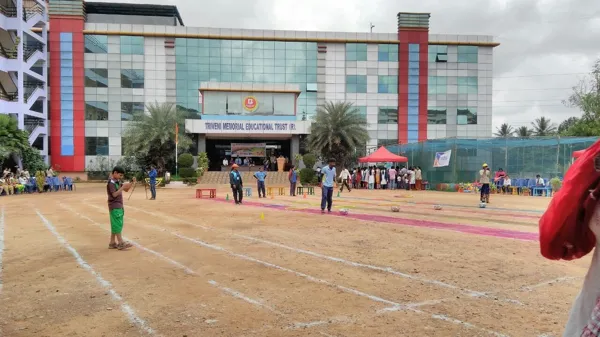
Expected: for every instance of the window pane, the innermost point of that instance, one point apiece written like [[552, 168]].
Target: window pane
[[96, 111], [132, 78], [131, 110], [96, 44], [436, 115], [387, 115], [96, 78], [466, 116]]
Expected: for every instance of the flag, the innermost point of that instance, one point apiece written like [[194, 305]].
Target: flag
[[176, 133], [442, 159]]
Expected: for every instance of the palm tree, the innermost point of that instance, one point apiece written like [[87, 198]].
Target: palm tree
[[523, 132], [337, 131], [504, 131], [543, 127], [150, 137]]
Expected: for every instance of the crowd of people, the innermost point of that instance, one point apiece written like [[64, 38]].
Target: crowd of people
[[380, 178], [21, 181]]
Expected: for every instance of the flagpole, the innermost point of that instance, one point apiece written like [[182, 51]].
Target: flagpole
[[176, 143]]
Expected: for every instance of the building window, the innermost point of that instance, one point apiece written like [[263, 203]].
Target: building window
[[438, 53], [387, 53], [467, 85], [362, 110], [436, 85], [311, 87], [132, 78], [96, 111], [356, 83], [131, 111], [436, 115], [96, 78], [96, 146], [467, 54], [132, 45], [96, 44], [466, 116], [356, 51], [387, 115], [387, 84], [386, 142]]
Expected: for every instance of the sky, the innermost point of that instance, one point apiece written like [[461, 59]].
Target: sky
[[546, 46]]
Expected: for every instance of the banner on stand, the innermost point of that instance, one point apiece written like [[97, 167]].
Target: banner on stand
[[248, 149]]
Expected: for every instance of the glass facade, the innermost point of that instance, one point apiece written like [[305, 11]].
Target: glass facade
[[387, 115], [356, 51], [467, 85], [129, 110], [96, 78], [437, 85], [96, 111], [413, 88], [356, 83], [387, 53], [96, 44], [67, 126], [96, 146], [387, 84], [437, 53], [232, 103], [132, 45], [436, 115], [245, 61], [466, 116], [468, 54], [132, 78]]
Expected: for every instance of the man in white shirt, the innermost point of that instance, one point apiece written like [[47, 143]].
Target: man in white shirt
[[344, 175], [506, 184], [539, 182], [225, 162]]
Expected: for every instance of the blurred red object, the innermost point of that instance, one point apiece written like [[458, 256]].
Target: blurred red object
[[564, 227]]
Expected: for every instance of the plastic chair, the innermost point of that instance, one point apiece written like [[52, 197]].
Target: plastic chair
[[56, 184]]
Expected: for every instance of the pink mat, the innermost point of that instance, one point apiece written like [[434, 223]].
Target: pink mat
[[485, 231]]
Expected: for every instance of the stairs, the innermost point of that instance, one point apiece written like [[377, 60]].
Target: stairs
[[222, 178]]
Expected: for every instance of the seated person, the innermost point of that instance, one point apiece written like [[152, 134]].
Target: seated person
[[9, 185], [539, 182], [506, 184]]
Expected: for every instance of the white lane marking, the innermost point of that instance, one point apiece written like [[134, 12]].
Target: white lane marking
[[384, 269], [546, 283], [126, 308], [317, 280], [1, 245], [186, 269]]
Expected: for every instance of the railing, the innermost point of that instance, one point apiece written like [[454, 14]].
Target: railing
[[30, 49], [30, 88], [10, 12], [30, 125], [31, 12], [8, 96]]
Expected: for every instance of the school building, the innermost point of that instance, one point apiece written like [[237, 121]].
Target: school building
[[76, 82]]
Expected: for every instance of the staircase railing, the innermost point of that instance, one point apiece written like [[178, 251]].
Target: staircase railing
[[9, 96], [30, 125], [30, 49], [8, 11], [30, 88]]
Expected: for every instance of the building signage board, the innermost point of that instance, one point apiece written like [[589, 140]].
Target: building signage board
[[247, 127], [248, 150]]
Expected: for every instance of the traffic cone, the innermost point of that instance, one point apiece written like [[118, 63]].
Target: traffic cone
[[338, 194], [262, 216], [227, 197], [304, 195]]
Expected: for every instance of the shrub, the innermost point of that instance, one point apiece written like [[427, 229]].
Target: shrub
[[185, 160], [307, 176], [309, 160], [556, 184], [202, 163], [187, 172]]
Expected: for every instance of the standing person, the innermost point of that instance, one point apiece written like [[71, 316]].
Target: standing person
[[419, 178], [225, 162], [293, 178], [344, 176], [114, 190], [484, 180], [371, 180], [152, 175], [392, 173], [260, 181], [383, 178], [377, 177], [235, 180], [358, 177], [329, 175]]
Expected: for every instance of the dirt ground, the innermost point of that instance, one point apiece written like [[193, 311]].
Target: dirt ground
[[277, 267]]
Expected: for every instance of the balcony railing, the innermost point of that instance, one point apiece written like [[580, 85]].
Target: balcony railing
[[8, 11], [31, 124], [10, 97], [30, 12], [30, 87]]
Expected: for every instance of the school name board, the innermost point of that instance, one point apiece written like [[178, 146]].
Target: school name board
[[247, 127]]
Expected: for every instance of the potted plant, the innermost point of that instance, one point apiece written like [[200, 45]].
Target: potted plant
[[556, 184]]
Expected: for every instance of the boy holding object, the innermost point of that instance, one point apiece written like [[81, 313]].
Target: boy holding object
[[114, 190]]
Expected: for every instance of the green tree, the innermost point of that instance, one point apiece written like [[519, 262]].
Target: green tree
[[15, 142], [586, 97], [504, 131], [567, 123], [523, 132], [337, 131], [543, 127], [150, 138]]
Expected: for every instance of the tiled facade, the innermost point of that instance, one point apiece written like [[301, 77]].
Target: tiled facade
[[409, 85]]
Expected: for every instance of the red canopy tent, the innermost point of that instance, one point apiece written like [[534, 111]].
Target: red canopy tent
[[578, 154], [382, 155]]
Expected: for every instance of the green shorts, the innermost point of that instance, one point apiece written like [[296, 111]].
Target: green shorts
[[116, 220]]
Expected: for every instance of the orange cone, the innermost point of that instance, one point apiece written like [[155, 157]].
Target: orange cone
[[304, 195]]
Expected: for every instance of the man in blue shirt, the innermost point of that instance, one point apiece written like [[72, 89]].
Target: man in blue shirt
[[329, 175], [260, 180], [293, 178], [152, 175]]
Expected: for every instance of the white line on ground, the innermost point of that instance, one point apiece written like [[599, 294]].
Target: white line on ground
[[186, 269], [384, 269], [546, 283], [317, 280], [1, 245], [133, 317]]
